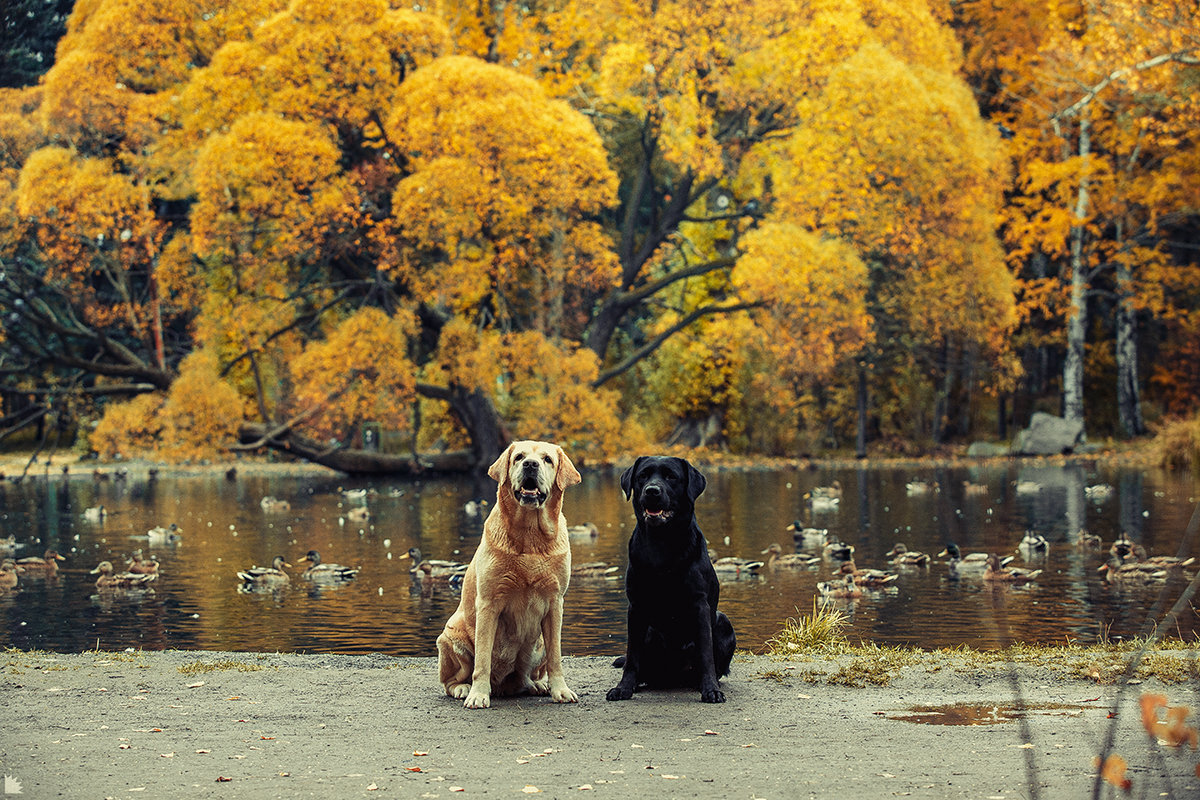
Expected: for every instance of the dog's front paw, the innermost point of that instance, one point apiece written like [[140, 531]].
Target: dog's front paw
[[563, 694], [478, 699], [712, 696], [459, 690], [539, 688], [619, 693]]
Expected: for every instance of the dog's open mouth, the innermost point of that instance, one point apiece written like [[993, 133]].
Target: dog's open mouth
[[658, 514], [529, 494]]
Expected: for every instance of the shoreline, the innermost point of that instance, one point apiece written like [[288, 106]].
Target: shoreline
[[220, 724]]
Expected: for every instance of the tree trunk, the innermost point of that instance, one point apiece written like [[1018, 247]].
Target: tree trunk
[[1077, 321], [478, 415], [1129, 404]]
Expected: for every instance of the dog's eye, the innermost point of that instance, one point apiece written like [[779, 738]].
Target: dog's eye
[[518, 457], [548, 460]]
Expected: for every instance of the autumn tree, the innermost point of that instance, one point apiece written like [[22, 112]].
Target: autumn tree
[[1098, 99]]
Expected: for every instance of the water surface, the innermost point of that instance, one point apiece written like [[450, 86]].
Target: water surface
[[197, 603]]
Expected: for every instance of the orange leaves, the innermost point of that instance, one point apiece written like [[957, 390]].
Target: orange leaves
[[361, 372], [1172, 730], [1112, 771]]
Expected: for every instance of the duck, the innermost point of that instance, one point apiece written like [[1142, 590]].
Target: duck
[[917, 488], [595, 569], [833, 490], [734, 567], [138, 565], [8, 574], [777, 558], [868, 577], [318, 571], [586, 530], [1088, 542], [1123, 548], [996, 572], [437, 566], [818, 502], [274, 505], [965, 563], [273, 574], [1139, 553], [810, 536], [116, 581], [844, 589], [427, 571], [1130, 572], [95, 514], [901, 556], [9, 544], [1033, 545], [354, 494], [46, 565], [1098, 493], [359, 514], [1027, 487], [838, 550], [976, 489], [172, 534]]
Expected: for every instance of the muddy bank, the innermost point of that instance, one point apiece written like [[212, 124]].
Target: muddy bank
[[203, 724]]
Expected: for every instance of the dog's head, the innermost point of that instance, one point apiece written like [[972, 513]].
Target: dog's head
[[533, 472], [662, 488]]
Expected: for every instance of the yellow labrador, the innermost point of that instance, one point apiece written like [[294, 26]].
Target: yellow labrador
[[506, 635]]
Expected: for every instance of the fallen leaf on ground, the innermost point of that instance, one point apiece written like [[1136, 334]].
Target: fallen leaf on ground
[[531, 790], [412, 769], [204, 751], [711, 733], [1113, 772], [420, 753], [223, 779], [371, 787], [456, 789], [195, 685]]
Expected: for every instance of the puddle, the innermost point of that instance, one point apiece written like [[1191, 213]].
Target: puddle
[[981, 714]]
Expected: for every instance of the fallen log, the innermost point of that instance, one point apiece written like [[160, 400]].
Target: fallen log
[[352, 461]]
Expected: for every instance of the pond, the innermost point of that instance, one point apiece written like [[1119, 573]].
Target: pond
[[196, 602]]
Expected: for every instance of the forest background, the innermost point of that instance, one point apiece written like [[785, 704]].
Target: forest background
[[776, 227]]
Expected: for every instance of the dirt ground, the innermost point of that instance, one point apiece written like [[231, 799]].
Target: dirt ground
[[202, 724]]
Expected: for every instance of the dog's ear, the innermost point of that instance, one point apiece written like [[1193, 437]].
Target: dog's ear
[[627, 478], [695, 480], [499, 470], [567, 474]]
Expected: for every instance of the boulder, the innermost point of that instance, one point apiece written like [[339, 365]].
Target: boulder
[[1048, 435], [986, 450]]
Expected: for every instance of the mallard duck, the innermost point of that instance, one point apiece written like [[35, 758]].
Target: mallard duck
[[970, 488], [318, 571], [8, 574], [901, 556], [425, 571], [1088, 542], [9, 544], [138, 564], [998, 573], [354, 494], [46, 565], [273, 574], [1098, 493], [1027, 487], [586, 530], [359, 514], [838, 550], [1139, 554], [777, 558], [833, 490], [734, 567], [1033, 545], [172, 534], [274, 505], [95, 514], [868, 577], [595, 569], [1131, 572], [844, 589], [917, 488], [965, 563], [1123, 548], [116, 581], [437, 566], [812, 537]]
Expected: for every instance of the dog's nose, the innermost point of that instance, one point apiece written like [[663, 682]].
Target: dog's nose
[[653, 490]]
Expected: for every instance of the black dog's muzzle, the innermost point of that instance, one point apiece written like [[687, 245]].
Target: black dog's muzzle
[[655, 503]]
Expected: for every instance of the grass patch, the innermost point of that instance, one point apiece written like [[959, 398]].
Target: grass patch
[[819, 637], [200, 667]]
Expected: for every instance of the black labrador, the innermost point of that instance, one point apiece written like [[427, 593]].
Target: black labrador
[[677, 637]]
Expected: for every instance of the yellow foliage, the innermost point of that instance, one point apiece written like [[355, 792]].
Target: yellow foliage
[[360, 373], [130, 429], [202, 413]]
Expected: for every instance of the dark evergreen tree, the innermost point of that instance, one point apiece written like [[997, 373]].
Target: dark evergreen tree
[[29, 34]]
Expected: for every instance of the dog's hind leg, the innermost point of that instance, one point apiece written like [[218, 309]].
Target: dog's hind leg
[[454, 668], [724, 643]]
